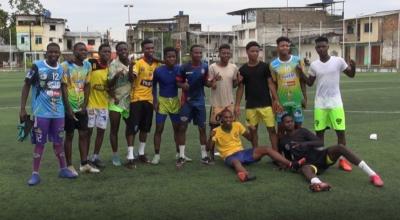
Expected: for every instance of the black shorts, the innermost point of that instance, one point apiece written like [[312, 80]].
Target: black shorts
[[140, 117], [81, 124], [320, 160]]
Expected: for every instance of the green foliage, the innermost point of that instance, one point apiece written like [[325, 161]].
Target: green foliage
[[26, 6]]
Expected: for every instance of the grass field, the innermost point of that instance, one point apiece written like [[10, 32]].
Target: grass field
[[200, 192]]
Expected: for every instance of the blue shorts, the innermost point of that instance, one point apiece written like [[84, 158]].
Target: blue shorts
[[244, 156], [295, 111], [196, 112], [160, 118]]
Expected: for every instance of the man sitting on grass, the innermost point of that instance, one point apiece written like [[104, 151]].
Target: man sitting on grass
[[302, 144], [227, 139]]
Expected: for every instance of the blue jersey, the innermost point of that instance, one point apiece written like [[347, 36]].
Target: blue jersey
[[166, 78], [46, 90], [196, 77]]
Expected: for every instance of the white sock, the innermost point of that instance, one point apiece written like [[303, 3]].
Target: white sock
[[203, 151], [366, 168], [182, 151], [142, 145], [130, 153], [315, 180], [157, 156]]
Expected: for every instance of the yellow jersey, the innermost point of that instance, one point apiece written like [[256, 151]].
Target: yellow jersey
[[229, 143], [143, 84], [98, 97]]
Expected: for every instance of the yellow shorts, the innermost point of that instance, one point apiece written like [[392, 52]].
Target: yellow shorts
[[168, 106], [257, 115], [214, 111]]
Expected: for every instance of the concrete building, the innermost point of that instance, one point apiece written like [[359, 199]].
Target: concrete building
[[91, 39], [265, 25], [372, 40]]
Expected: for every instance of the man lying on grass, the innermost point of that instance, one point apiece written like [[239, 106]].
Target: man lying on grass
[[301, 144], [227, 139]]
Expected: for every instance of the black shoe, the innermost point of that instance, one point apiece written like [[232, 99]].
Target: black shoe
[[143, 159], [130, 164], [98, 163], [180, 162], [207, 161]]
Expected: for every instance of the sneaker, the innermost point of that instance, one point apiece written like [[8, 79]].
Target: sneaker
[[187, 159], [155, 161], [345, 165], [66, 173], [376, 180], [130, 164], [319, 187], [180, 162], [34, 180], [72, 169], [116, 161], [245, 177], [206, 161], [88, 169], [98, 163], [143, 159]]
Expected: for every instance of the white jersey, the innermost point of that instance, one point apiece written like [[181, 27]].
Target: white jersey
[[328, 82], [222, 96]]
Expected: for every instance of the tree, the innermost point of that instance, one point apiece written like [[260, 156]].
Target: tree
[[26, 6]]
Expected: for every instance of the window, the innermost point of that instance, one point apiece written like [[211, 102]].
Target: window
[[69, 44], [22, 39], [50, 39], [241, 35], [91, 42], [350, 29], [59, 40], [367, 27], [252, 33], [52, 27], [38, 40], [230, 40]]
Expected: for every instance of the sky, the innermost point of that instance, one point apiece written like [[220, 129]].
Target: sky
[[103, 15]]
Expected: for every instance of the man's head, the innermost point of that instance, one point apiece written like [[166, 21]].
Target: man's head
[[52, 53], [170, 56], [224, 53], [80, 51], [105, 53], [147, 48], [283, 46], [196, 53], [252, 50], [122, 50], [322, 46], [226, 117], [287, 122]]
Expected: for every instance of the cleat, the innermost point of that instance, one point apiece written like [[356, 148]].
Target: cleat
[[143, 159], [98, 164], [376, 180], [72, 169], [116, 161], [88, 169], [345, 165], [155, 161], [245, 177], [206, 161], [34, 180], [319, 187], [130, 164], [187, 159], [180, 162], [66, 173]]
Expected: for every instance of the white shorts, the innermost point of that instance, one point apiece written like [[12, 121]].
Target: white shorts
[[97, 118]]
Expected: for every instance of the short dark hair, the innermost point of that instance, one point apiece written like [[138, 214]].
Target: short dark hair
[[321, 39], [103, 45], [252, 44], [169, 49], [219, 115], [52, 44], [79, 43], [119, 44], [283, 38], [146, 41], [285, 115], [194, 46], [224, 46]]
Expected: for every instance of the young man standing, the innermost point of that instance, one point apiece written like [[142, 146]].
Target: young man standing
[[98, 100], [329, 110], [259, 87], [304, 145], [48, 110], [141, 106], [192, 78], [75, 96], [119, 91], [291, 90]]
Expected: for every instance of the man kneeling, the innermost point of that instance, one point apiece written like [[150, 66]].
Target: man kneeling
[[300, 144], [227, 139]]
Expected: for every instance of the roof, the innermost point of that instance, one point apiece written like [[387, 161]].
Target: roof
[[377, 14], [83, 34], [242, 11], [213, 33]]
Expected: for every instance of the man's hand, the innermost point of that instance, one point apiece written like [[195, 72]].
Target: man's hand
[[156, 107], [276, 106], [185, 86], [71, 114], [296, 164], [22, 114]]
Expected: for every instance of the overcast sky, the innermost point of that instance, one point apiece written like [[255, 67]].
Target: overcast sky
[[100, 15]]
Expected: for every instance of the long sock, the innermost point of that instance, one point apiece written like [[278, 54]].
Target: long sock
[[142, 145], [59, 151], [315, 180], [366, 168], [130, 153], [182, 151], [203, 151], [37, 157]]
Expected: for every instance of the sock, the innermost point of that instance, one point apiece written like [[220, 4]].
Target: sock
[[37, 157], [59, 151], [84, 162], [142, 145], [130, 153], [157, 156], [366, 168], [315, 180], [182, 151], [203, 151]]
